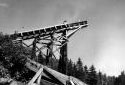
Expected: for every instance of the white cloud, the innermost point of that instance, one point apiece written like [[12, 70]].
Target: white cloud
[[3, 5]]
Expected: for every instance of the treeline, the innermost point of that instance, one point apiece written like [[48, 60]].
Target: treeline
[[90, 75], [87, 74], [13, 57]]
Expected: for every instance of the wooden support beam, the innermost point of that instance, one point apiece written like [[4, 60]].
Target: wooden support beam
[[37, 77]]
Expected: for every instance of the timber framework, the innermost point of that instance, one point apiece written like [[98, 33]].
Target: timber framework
[[51, 42]]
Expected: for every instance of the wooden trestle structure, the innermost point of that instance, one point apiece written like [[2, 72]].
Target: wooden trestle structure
[[51, 42]]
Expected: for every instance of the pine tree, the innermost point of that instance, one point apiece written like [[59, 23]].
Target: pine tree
[[60, 64], [121, 78], [70, 68], [53, 63], [85, 74], [111, 80], [41, 59], [80, 72], [104, 80], [92, 76], [74, 72], [99, 78], [79, 65]]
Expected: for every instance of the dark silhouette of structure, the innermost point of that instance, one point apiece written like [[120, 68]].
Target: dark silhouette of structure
[[51, 41]]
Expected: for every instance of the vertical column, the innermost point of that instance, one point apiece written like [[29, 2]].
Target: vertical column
[[63, 52], [33, 55], [49, 50]]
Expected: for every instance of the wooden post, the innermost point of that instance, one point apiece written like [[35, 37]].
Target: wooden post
[[63, 52]]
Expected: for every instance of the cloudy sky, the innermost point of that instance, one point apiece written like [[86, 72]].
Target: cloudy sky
[[101, 44]]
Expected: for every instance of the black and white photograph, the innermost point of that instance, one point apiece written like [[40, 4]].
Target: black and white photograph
[[62, 42]]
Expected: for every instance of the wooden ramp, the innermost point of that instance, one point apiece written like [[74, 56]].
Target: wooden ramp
[[49, 76]]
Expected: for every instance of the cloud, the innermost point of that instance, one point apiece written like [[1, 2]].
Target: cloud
[[3, 5]]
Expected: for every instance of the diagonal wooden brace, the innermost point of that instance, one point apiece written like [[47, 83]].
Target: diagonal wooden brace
[[36, 78]]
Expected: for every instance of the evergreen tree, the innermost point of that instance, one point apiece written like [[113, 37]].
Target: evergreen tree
[[121, 79], [92, 76], [86, 74], [70, 68], [74, 72], [79, 65], [13, 58], [80, 72], [104, 80], [117, 81], [41, 59], [60, 64], [111, 80], [53, 63], [99, 78]]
